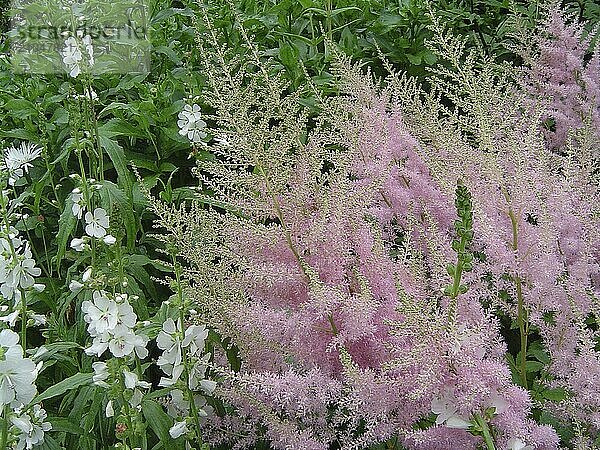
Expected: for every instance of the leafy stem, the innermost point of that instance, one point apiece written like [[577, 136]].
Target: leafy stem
[[485, 431], [521, 311], [184, 354], [461, 244]]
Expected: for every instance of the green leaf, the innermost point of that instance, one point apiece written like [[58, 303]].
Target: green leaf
[[63, 424], [158, 420], [66, 224], [20, 108], [73, 382], [533, 366], [111, 195], [117, 155], [50, 444], [20, 133], [288, 55], [555, 395], [56, 347], [120, 127], [414, 59]]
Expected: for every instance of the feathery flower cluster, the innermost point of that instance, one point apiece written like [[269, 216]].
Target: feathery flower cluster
[[339, 255], [564, 80]]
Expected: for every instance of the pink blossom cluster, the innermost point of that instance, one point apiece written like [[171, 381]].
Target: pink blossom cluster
[[346, 338]]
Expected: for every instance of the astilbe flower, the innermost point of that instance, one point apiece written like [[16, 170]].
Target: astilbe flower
[[563, 79], [327, 256]]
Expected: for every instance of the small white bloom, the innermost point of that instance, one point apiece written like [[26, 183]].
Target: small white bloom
[[31, 426], [17, 160], [17, 374], [518, 444], [99, 346], [78, 207], [10, 319], [72, 56], [87, 42], [78, 244], [87, 275], [191, 124], [499, 404], [446, 410], [109, 411], [132, 381], [208, 386], [109, 239], [136, 399], [178, 429], [97, 223], [122, 342], [38, 319], [75, 286], [102, 314], [100, 374]]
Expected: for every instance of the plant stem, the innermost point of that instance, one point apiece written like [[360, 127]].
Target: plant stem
[[23, 320], [184, 354], [4, 429], [521, 312], [485, 429]]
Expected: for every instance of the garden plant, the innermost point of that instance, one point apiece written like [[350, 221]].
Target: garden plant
[[307, 225]]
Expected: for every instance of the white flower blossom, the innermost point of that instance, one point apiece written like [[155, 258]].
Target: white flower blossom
[[518, 444], [17, 160], [170, 341], [191, 124], [31, 427], [132, 381], [111, 323], [101, 314], [446, 411], [72, 56], [100, 374], [75, 286], [178, 429], [109, 410], [11, 319], [97, 223], [17, 374], [19, 273], [78, 244], [78, 207]]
